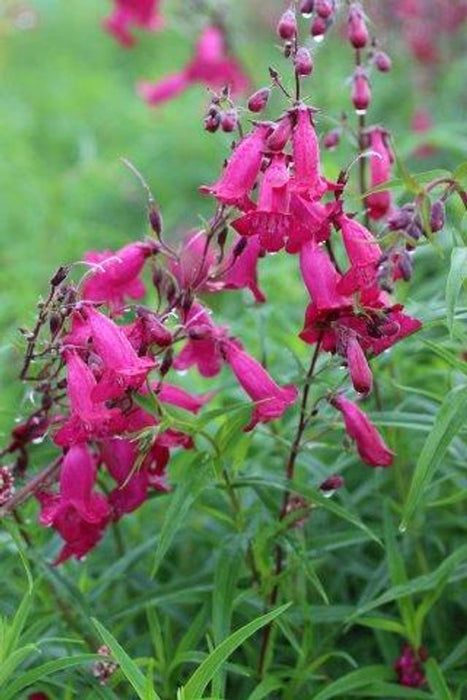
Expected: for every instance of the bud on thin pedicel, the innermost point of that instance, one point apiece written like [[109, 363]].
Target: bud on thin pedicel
[[303, 62], [332, 139], [382, 61], [155, 220], [361, 92], [258, 101], [325, 8], [229, 121], [357, 31], [307, 7], [318, 28], [287, 27], [437, 216]]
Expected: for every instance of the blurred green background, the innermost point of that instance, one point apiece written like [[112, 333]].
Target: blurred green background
[[69, 112]]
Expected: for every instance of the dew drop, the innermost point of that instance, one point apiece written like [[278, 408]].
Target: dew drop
[[319, 38], [360, 112]]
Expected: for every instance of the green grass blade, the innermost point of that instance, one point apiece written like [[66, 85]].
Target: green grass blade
[[353, 681], [437, 681], [456, 278], [196, 685]]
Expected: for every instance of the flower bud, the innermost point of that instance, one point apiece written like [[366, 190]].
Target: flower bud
[[404, 263], [55, 322], [437, 216], [382, 61], [280, 136], [287, 27], [361, 92], [357, 31], [212, 122], [325, 8], [414, 230], [229, 121], [399, 220], [318, 29], [331, 484], [307, 7], [258, 101], [155, 220], [59, 276], [166, 363], [303, 62], [332, 139]]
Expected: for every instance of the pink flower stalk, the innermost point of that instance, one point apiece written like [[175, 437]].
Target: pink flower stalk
[[242, 270], [211, 65], [271, 400], [370, 445], [409, 667], [123, 369], [89, 419], [242, 170], [381, 159], [117, 275], [133, 13], [77, 512], [364, 255], [202, 349], [270, 220], [307, 179], [321, 278]]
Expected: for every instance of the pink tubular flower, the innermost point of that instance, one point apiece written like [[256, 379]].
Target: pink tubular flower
[[321, 278], [123, 369], [360, 372], [379, 203], [271, 400], [409, 667], [195, 262], [242, 270], [270, 220], [239, 176], [147, 331], [211, 65], [129, 13], [176, 396], [364, 254], [77, 512], [361, 91], [88, 420], [116, 275], [370, 445], [202, 349], [307, 179]]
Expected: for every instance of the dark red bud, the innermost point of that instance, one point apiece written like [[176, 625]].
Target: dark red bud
[[357, 31], [332, 483], [59, 276], [361, 92], [280, 136], [212, 122], [307, 7], [166, 363], [259, 99], [287, 27], [155, 220], [55, 322], [229, 121], [325, 8], [318, 29], [399, 220], [303, 62], [332, 139], [437, 216], [382, 61]]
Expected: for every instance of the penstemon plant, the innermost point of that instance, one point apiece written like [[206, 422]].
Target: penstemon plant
[[107, 357]]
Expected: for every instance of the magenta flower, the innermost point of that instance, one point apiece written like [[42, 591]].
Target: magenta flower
[[212, 65], [364, 255], [242, 270], [77, 512], [360, 372], [271, 400], [321, 278], [370, 445], [379, 203], [241, 171], [123, 369], [202, 349], [310, 222], [116, 275], [132, 13], [176, 396], [409, 667], [89, 419], [147, 331], [196, 260], [307, 179], [270, 220]]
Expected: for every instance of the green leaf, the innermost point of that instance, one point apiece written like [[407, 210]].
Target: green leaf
[[37, 673], [456, 278], [196, 685], [353, 681], [195, 481], [436, 681], [451, 417], [8, 667], [460, 175], [386, 624], [129, 669], [265, 688]]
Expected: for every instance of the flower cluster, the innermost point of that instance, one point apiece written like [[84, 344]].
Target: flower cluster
[[409, 667]]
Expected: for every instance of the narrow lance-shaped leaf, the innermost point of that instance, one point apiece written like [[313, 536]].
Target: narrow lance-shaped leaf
[[456, 278]]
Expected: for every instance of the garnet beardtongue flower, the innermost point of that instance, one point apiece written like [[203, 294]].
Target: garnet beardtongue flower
[[271, 400], [360, 372], [242, 269], [370, 445], [363, 252], [307, 178], [321, 278], [202, 348], [379, 203], [129, 13], [77, 512]]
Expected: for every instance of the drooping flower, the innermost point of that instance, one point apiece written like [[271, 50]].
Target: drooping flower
[[242, 269], [360, 372], [77, 512], [307, 179], [370, 445], [196, 259], [116, 276], [321, 278], [132, 13], [271, 400], [364, 254], [202, 348], [379, 203], [123, 369], [241, 171], [89, 419], [146, 331], [211, 65]]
